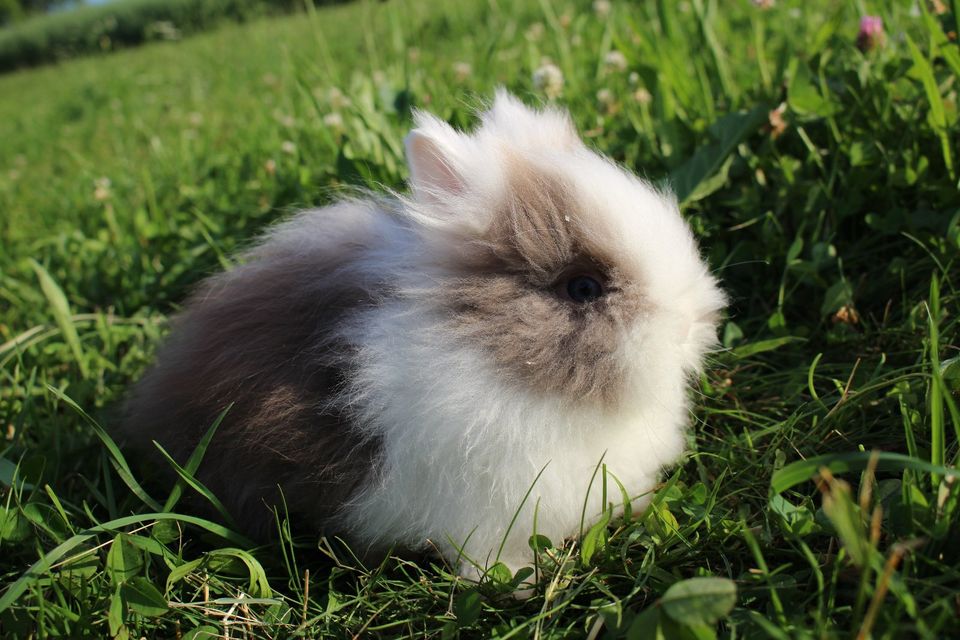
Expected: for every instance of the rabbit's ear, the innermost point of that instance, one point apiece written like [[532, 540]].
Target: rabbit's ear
[[436, 155], [525, 127]]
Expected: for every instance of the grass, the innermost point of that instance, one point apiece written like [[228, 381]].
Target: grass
[[91, 29], [822, 182]]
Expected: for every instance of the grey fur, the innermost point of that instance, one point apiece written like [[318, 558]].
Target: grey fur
[[506, 307], [259, 337]]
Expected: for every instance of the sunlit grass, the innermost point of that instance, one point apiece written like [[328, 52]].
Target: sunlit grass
[[820, 178]]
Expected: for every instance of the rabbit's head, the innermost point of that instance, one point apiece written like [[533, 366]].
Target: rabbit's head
[[573, 276]]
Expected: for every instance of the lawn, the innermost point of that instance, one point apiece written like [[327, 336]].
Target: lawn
[[819, 491]]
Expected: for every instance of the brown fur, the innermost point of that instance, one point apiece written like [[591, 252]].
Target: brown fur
[[511, 306], [256, 337]]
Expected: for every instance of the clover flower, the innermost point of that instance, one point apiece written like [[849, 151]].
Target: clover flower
[[615, 61], [535, 32], [871, 35], [333, 120], [605, 98], [336, 98], [462, 71], [549, 79], [101, 189]]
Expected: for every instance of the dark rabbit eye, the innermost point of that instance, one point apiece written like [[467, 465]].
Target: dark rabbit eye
[[584, 289]]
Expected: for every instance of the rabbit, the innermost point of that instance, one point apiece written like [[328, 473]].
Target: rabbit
[[447, 369]]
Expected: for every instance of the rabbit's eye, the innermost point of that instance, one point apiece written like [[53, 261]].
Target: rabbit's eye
[[584, 289]]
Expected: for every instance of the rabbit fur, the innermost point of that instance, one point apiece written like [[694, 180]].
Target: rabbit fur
[[401, 368]]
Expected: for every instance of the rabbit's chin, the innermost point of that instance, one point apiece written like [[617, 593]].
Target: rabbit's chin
[[476, 464]]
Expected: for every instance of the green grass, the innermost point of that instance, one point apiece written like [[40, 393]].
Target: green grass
[[125, 179], [101, 28]]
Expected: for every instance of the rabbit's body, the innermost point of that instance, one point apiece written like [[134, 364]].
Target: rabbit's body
[[404, 369]]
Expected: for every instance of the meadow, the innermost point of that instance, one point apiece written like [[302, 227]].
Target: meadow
[[819, 497], [104, 27]]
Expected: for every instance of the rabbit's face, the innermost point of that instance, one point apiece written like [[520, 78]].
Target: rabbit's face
[[575, 277]]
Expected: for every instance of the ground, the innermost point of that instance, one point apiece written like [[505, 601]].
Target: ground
[[817, 167]]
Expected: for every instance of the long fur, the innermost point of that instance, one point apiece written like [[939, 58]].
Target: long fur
[[404, 368]]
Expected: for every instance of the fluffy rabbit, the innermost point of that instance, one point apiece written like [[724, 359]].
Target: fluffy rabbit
[[402, 368]]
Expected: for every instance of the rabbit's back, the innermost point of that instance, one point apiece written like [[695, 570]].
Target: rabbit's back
[[261, 339]]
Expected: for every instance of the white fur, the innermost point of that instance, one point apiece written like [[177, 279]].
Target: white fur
[[461, 446]]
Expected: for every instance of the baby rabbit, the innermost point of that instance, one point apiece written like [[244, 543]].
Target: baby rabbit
[[402, 368]]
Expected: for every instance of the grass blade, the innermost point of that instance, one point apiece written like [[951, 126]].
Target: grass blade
[[117, 458], [717, 54], [935, 390], [516, 514], [762, 346], [804, 470], [36, 570], [197, 486], [61, 313], [938, 114], [193, 463]]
